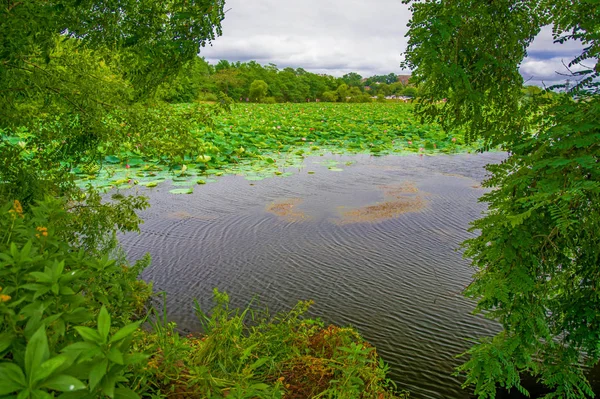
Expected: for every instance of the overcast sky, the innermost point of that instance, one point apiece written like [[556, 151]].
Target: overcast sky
[[341, 36]]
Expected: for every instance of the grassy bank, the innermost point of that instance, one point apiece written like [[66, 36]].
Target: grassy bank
[[251, 354]]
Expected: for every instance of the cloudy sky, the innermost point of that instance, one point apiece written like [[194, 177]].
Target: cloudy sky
[[341, 36]]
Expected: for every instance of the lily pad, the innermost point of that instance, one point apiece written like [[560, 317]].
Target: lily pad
[[181, 191], [112, 159], [334, 169], [133, 162]]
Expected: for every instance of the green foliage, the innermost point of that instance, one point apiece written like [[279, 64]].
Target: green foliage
[[329, 96], [342, 92], [258, 91], [253, 139], [68, 73], [352, 79], [250, 354], [144, 35], [455, 54], [56, 333], [536, 257]]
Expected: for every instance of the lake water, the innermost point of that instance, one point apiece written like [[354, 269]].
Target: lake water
[[373, 244]]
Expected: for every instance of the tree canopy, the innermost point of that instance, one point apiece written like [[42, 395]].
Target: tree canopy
[[537, 255], [75, 74]]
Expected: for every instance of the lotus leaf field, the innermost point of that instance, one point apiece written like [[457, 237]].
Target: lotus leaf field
[[260, 141]]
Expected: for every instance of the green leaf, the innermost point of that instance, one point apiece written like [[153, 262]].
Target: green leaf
[[41, 277], [7, 386], [103, 323], [135, 358], [50, 366], [66, 291], [39, 394], [64, 383], [182, 191], [108, 385], [115, 355], [149, 184], [6, 340], [260, 386], [254, 178], [98, 371], [112, 159], [89, 334], [36, 353], [259, 363], [12, 376], [79, 346], [124, 332], [125, 393]]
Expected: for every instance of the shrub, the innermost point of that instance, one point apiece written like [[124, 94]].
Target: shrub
[[56, 329], [250, 354]]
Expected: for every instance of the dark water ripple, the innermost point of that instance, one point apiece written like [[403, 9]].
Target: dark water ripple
[[398, 280]]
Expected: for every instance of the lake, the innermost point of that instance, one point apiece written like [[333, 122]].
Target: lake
[[372, 240]]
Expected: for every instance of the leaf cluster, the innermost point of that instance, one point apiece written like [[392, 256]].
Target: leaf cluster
[[536, 258], [55, 326]]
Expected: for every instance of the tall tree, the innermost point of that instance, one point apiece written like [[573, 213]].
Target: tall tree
[[74, 75], [537, 256], [352, 79], [258, 90]]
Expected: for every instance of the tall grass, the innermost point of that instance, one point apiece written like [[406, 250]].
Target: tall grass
[[248, 353]]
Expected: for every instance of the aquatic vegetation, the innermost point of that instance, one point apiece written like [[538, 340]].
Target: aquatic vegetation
[[256, 141], [398, 199], [287, 209]]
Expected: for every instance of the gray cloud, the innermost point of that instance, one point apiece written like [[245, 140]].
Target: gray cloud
[[341, 36], [335, 37], [547, 62]]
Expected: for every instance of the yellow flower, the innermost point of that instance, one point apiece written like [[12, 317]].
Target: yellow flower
[[17, 209], [43, 232], [4, 298]]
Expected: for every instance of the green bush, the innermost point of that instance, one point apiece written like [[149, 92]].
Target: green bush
[[250, 354], [56, 302]]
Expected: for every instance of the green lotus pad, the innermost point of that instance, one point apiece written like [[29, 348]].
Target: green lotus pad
[[247, 142], [181, 191]]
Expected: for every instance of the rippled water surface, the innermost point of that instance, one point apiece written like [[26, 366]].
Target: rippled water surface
[[374, 245]]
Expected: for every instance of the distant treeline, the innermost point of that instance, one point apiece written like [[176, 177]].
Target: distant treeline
[[250, 81]]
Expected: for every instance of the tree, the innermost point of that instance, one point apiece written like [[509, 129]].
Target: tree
[[187, 86], [409, 91], [352, 79], [342, 92], [391, 78], [66, 66], [77, 80], [536, 258], [329, 96], [258, 90]]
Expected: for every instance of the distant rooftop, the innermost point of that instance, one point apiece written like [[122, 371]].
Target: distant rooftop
[[404, 79]]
